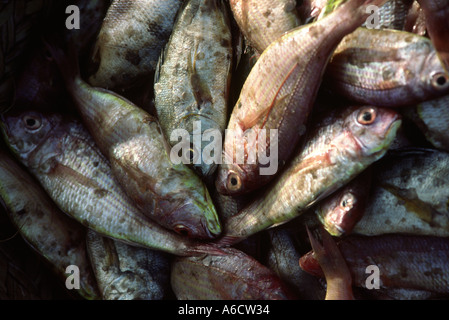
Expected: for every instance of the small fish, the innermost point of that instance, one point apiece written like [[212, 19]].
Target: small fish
[[273, 107], [333, 266], [127, 272], [388, 68], [62, 155], [409, 195], [331, 157], [192, 82], [232, 276], [341, 211], [59, 239], [130, 41], [262, 22], [132, 140]]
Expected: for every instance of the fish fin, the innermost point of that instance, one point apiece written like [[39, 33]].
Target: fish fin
[[252, 118], [61, 170], [309, 264], [227, 241], [209, 249], [200, 89], [338, 277]]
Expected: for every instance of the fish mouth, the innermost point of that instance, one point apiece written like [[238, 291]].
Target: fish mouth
[[201, 228]]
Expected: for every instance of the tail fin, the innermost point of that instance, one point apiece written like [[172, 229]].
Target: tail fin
[[338, 277]]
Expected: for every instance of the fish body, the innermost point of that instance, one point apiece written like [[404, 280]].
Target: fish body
[[331, 157], [130, 41], [388, 68], [59, 239], [262, 22], [432, 118], [232, 276], [127, 272], [192, 81], [409, 196], [404, 261], [276, 99], [62, 155], [132, 140]]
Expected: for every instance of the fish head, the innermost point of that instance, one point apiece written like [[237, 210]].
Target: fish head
[[374, 129], [340, 215], [25, 131], [192, 211], [434, 76]]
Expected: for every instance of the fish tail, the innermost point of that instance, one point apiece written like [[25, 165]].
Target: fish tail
[[333, 265], [67, 61]]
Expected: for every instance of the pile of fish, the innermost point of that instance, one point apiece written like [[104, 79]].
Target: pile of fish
[[241, 149]]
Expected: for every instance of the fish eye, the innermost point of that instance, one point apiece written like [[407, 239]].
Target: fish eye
[[347, 202], [234, 182], [32, 122], [440, 81], [182, 230], [366, 116]]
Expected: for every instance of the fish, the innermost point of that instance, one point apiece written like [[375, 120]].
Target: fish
[[332, 156], [130, 41], [333, 266], [386, 68], [57, 238], [262, 22], [432, 118], [409, 195], [132, 140], [437, 25], [232, 276], [341, 211], [192, 83], [273, 107], [126, 272], [64, 158]]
